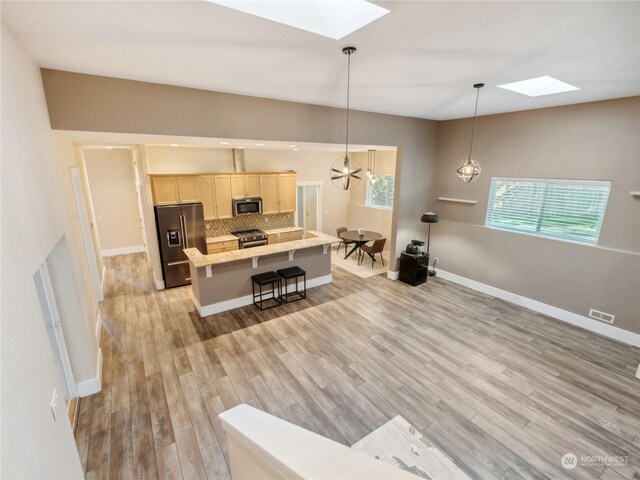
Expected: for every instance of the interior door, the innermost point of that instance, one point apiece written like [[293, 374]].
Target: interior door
[[311, 208]]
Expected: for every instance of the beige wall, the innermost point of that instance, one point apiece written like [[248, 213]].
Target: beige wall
[[593, 141], [113, 197], [188, 159], [37, 210], [370, 218], [101, 104]]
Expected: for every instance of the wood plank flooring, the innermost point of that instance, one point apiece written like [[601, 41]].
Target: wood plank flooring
[[503, 391]]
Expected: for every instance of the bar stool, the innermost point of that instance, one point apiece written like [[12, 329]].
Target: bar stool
[[262, 280], [293, 273]]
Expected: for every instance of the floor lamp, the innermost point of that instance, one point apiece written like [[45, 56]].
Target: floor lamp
[[429, 218]]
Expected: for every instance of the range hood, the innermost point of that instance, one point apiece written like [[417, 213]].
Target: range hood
[[238, 160]]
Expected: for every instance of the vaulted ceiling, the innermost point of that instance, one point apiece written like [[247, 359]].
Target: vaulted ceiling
[[420, 60]]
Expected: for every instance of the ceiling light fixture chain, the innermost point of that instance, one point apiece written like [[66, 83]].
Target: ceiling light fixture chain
[[470, 169]]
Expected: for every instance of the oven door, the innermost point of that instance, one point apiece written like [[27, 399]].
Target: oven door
[[247, 206]]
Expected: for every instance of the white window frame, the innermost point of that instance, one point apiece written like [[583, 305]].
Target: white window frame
[[605, 183], [367, 193]]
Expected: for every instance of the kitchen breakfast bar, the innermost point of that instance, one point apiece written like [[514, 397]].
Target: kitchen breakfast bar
[[222, 281]]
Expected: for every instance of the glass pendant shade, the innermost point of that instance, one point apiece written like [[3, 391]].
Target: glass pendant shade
[[468, 171], [346, 173]]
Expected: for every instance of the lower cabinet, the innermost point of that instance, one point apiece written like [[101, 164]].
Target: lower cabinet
[[219, 247]]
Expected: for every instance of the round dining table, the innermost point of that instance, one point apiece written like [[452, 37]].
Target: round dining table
[[359, 240]]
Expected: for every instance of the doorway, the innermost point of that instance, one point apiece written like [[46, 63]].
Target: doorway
[[309, 206]]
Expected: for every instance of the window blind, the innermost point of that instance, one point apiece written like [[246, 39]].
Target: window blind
[[565, 209], [380, 194]]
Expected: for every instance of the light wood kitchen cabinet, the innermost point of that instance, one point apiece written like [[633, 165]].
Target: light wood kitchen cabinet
[[253, 185], [219, 247], [172, 189], [223, 196], [188, 188], [287, 192], [165, 190], [208, 196], [278, 192], [245, 185], [269, 189]]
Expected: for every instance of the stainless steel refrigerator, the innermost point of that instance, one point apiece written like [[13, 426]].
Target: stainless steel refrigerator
[[179, 227]]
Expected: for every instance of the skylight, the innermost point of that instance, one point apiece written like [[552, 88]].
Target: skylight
[[330, 18], [536, 87]]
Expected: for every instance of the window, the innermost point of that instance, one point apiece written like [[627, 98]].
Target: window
[[380, 194], [565, 209]]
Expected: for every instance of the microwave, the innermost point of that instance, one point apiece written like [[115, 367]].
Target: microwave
[[247, 206]]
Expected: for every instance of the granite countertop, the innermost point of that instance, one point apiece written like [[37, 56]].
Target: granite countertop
[[223, 238], [276, 231], [199, 260]]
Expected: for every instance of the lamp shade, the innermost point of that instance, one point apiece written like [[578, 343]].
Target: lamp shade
[[429, 217]]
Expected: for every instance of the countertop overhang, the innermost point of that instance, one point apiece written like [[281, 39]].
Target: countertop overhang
[[199, 260]]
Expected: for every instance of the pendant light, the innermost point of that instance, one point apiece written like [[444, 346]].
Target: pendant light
[[371, 167], [470, 170], [345, 172]]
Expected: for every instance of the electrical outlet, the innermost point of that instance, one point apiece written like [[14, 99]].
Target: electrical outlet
[[55, 403]]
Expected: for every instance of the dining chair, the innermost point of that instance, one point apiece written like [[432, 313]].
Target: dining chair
[[340, 230], [377, 247]]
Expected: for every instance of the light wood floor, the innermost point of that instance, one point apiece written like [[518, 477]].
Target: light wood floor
[[501, 390]]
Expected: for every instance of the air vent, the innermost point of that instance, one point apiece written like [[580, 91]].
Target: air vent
[[602, 316]]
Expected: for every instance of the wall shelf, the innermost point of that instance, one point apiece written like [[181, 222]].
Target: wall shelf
[[635, 194], [457, 200]]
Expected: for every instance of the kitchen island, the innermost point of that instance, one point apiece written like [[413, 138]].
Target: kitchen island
[[222, 281]]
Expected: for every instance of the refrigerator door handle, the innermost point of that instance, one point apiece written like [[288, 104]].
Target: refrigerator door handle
[[179, 262], [183, 219]]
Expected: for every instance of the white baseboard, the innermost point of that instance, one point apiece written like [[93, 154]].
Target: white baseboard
[[159, 283], [555, 312], [93, 385], [98, 324], [393, 275], [248, 299], [110, 252]]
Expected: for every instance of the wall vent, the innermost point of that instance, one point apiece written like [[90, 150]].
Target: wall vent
[[602, 316]]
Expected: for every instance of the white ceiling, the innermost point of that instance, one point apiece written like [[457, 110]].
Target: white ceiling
[[420, 60]]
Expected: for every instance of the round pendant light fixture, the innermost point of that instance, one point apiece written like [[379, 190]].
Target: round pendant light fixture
[[345, 172], [470, 170]]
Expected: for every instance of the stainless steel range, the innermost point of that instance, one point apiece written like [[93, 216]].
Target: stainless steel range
[[251, 238]]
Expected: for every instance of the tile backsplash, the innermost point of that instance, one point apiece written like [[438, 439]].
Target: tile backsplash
[[216, 228]]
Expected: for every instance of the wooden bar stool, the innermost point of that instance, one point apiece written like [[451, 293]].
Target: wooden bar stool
[[267, 279], [293, 273]]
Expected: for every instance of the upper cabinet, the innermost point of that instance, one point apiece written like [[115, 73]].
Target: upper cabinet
[[286, 192], [223, 196], [170, 189], [216, 191], [278, 192], [208, 196], [245, 185], [269, 188]]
